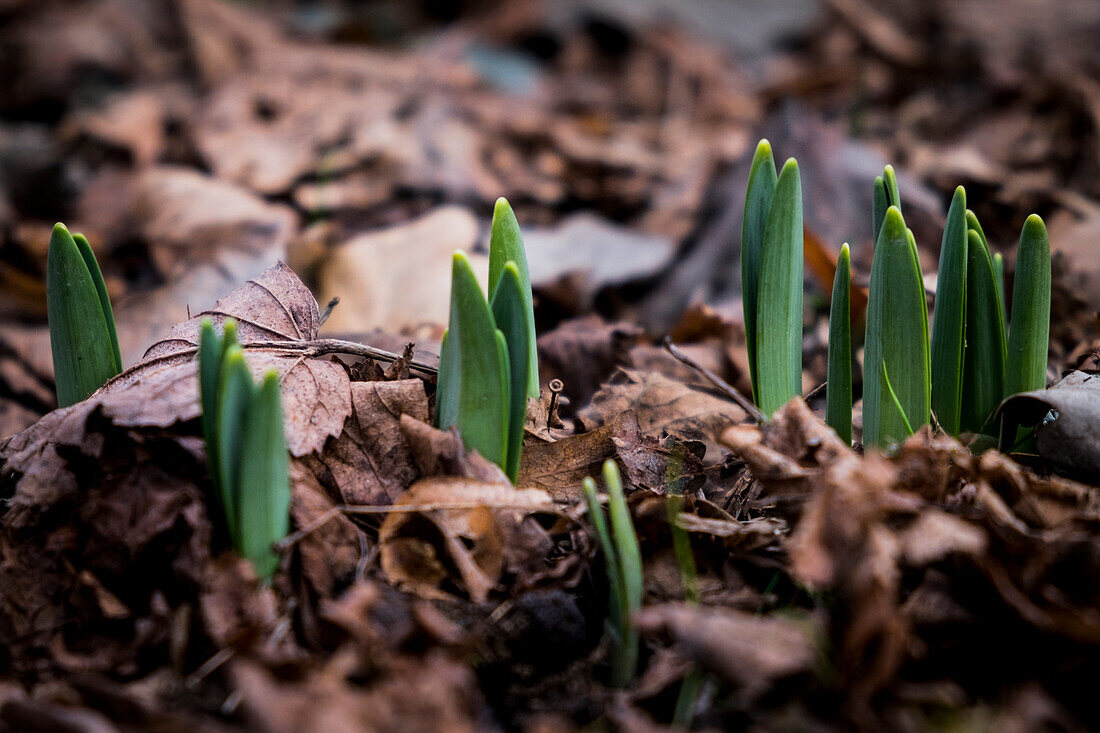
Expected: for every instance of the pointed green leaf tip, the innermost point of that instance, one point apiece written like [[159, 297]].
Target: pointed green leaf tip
[[473, 390], [949, 326], [1029, 332], [779, 310], [82, 331], [897, 339], [758, 202], [506, 245], [886, 194], [838, 387], [508, 311]]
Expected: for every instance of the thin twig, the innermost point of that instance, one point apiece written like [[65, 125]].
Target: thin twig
[[725, 387]]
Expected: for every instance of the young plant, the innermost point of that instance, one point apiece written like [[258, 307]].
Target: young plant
[[896, 380], [488, 363], [838, 385], [82, 326], [245, 447], [623, 560], [771, 266], [1029, 330]]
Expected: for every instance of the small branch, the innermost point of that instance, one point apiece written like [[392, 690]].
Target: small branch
[[722, 385], [320, 347]]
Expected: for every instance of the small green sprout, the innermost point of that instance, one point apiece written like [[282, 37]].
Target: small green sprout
[[838, 385], [1029, 330], [771, 266], [488, 364], [896, 381], [623, 560], [689, 579], [82, 326], [245, 447]]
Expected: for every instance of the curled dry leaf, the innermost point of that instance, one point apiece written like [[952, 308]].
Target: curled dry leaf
[[1067, 417], [471, 521], [748, 651]]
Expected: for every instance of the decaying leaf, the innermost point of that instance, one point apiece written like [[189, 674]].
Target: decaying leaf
[[471, 518]]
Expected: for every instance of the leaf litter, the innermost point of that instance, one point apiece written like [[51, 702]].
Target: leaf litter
[[927, 588]]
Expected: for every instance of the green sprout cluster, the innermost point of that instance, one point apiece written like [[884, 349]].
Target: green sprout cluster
[[242, 424], [959, 378], [488, 363]]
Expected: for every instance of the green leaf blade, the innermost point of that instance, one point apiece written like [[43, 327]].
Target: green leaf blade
[[236, 391], [838, 386], [263, 500], [1029, 332], [896, 339], [506, 245], [101, 290], [508, 312], [629, 561], [473, 384], [85, 353], [779, 310], [984, 356], [949, 327], [758, 202]]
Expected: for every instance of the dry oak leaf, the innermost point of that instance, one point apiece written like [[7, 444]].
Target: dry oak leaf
[[471, 520], [162, 390]]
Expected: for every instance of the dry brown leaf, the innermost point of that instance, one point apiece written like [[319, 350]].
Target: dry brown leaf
[[748, 651], [663, 407], [471, 518]]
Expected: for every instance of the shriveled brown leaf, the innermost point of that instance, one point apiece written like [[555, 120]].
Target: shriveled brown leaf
[[663, 407], [471, 518], [435, 693], [750, 652]]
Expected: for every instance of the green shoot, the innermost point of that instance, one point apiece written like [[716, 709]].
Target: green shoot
[[896, 347], [984, 355], [758, 202], [506, 246], [1029, 331], [623, 560], [83, 340], [245, 447], [263, 482], [508, 307], [473, 389], [779, 310], [949, 328], [838, 387]]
